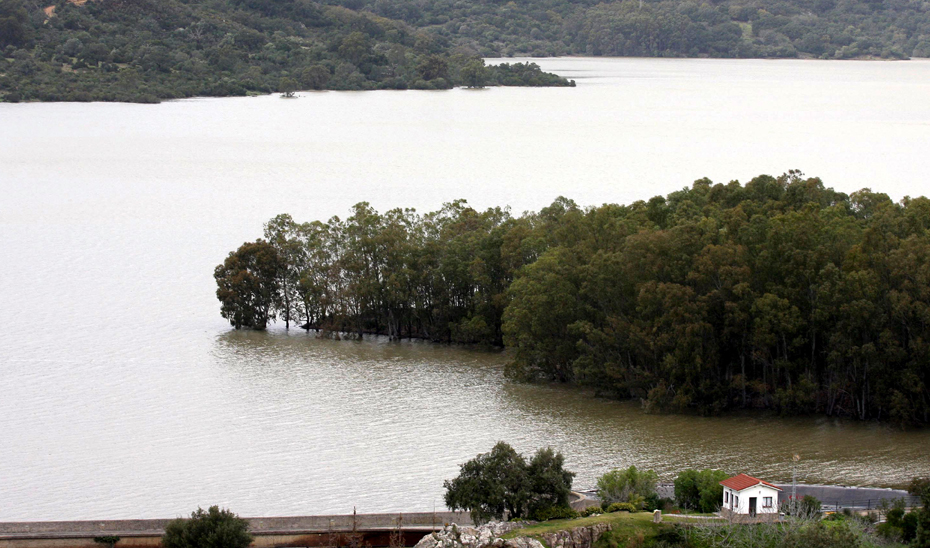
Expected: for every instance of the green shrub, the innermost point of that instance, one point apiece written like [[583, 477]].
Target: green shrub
[[654, 502], [554, 512], [622, 506], [108, 540], [810, 506], [823, 535], [590, 511], [213, 528], [630, 485], [700, 490]]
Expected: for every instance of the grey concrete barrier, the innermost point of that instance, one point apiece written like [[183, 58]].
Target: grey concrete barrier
[[266, 525]]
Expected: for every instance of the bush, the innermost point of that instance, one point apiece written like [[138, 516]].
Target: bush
[[630, 485], [700, 490], [591, 511], [622, 506], [898, 525], [822, 535], [554, 512], [810, 506], [214, 528], [108, 540]]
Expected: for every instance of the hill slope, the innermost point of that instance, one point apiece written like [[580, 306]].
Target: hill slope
[[146, 50], [829, 29]]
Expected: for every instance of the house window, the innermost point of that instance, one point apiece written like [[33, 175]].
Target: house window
[[736, 501], [726, 497], [767, 502]]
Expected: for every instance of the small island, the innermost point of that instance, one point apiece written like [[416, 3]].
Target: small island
[[780, 294]]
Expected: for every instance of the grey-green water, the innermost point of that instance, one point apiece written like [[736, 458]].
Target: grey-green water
[[124, 394]]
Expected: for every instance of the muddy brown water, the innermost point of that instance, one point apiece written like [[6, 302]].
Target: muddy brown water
[[123, 394]]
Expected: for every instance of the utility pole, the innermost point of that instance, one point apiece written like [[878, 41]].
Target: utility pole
[[794, 484]]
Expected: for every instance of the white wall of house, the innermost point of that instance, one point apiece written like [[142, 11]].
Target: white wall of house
[[738, 501]]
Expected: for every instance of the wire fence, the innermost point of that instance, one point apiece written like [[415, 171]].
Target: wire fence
[[866, 504]]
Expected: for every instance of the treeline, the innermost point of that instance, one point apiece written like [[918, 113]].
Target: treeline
[[778, 294], [827, 29], [148, 50], [442, 276]]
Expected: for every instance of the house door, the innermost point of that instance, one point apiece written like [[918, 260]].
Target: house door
[[752, 506]]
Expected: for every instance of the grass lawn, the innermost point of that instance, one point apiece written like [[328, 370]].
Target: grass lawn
[[623, 524], [619, 521]]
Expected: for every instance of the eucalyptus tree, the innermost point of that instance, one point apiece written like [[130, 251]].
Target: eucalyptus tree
[[283, 233], [248, 285]]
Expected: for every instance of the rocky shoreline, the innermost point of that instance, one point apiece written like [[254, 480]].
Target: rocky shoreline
[[490, 535]]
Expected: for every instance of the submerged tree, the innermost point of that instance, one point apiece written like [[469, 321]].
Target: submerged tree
[[778, 294], [248, 285]]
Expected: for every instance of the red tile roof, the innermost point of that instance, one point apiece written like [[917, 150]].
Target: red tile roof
[[742, 481]]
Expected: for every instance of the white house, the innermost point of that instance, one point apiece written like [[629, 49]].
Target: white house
[[748, 496]]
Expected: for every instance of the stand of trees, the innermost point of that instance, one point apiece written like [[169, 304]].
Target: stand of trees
[[148, 50], [442, 276], [777, 294]]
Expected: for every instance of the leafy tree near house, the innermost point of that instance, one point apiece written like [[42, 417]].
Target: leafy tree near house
[[700, 489]]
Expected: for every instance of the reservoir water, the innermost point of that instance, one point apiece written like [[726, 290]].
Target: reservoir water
[[123, 393]]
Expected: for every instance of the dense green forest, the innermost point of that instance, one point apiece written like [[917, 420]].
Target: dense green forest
[[828, 29], [146, 50], [777, 294]]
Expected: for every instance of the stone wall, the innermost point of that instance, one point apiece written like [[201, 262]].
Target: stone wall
[[149, 527], [578, 537]]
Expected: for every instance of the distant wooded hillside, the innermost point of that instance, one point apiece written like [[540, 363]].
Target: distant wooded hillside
[[828, 29], [147, 50]]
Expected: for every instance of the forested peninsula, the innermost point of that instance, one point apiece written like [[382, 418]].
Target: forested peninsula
[[147, 50], [778, 294]]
